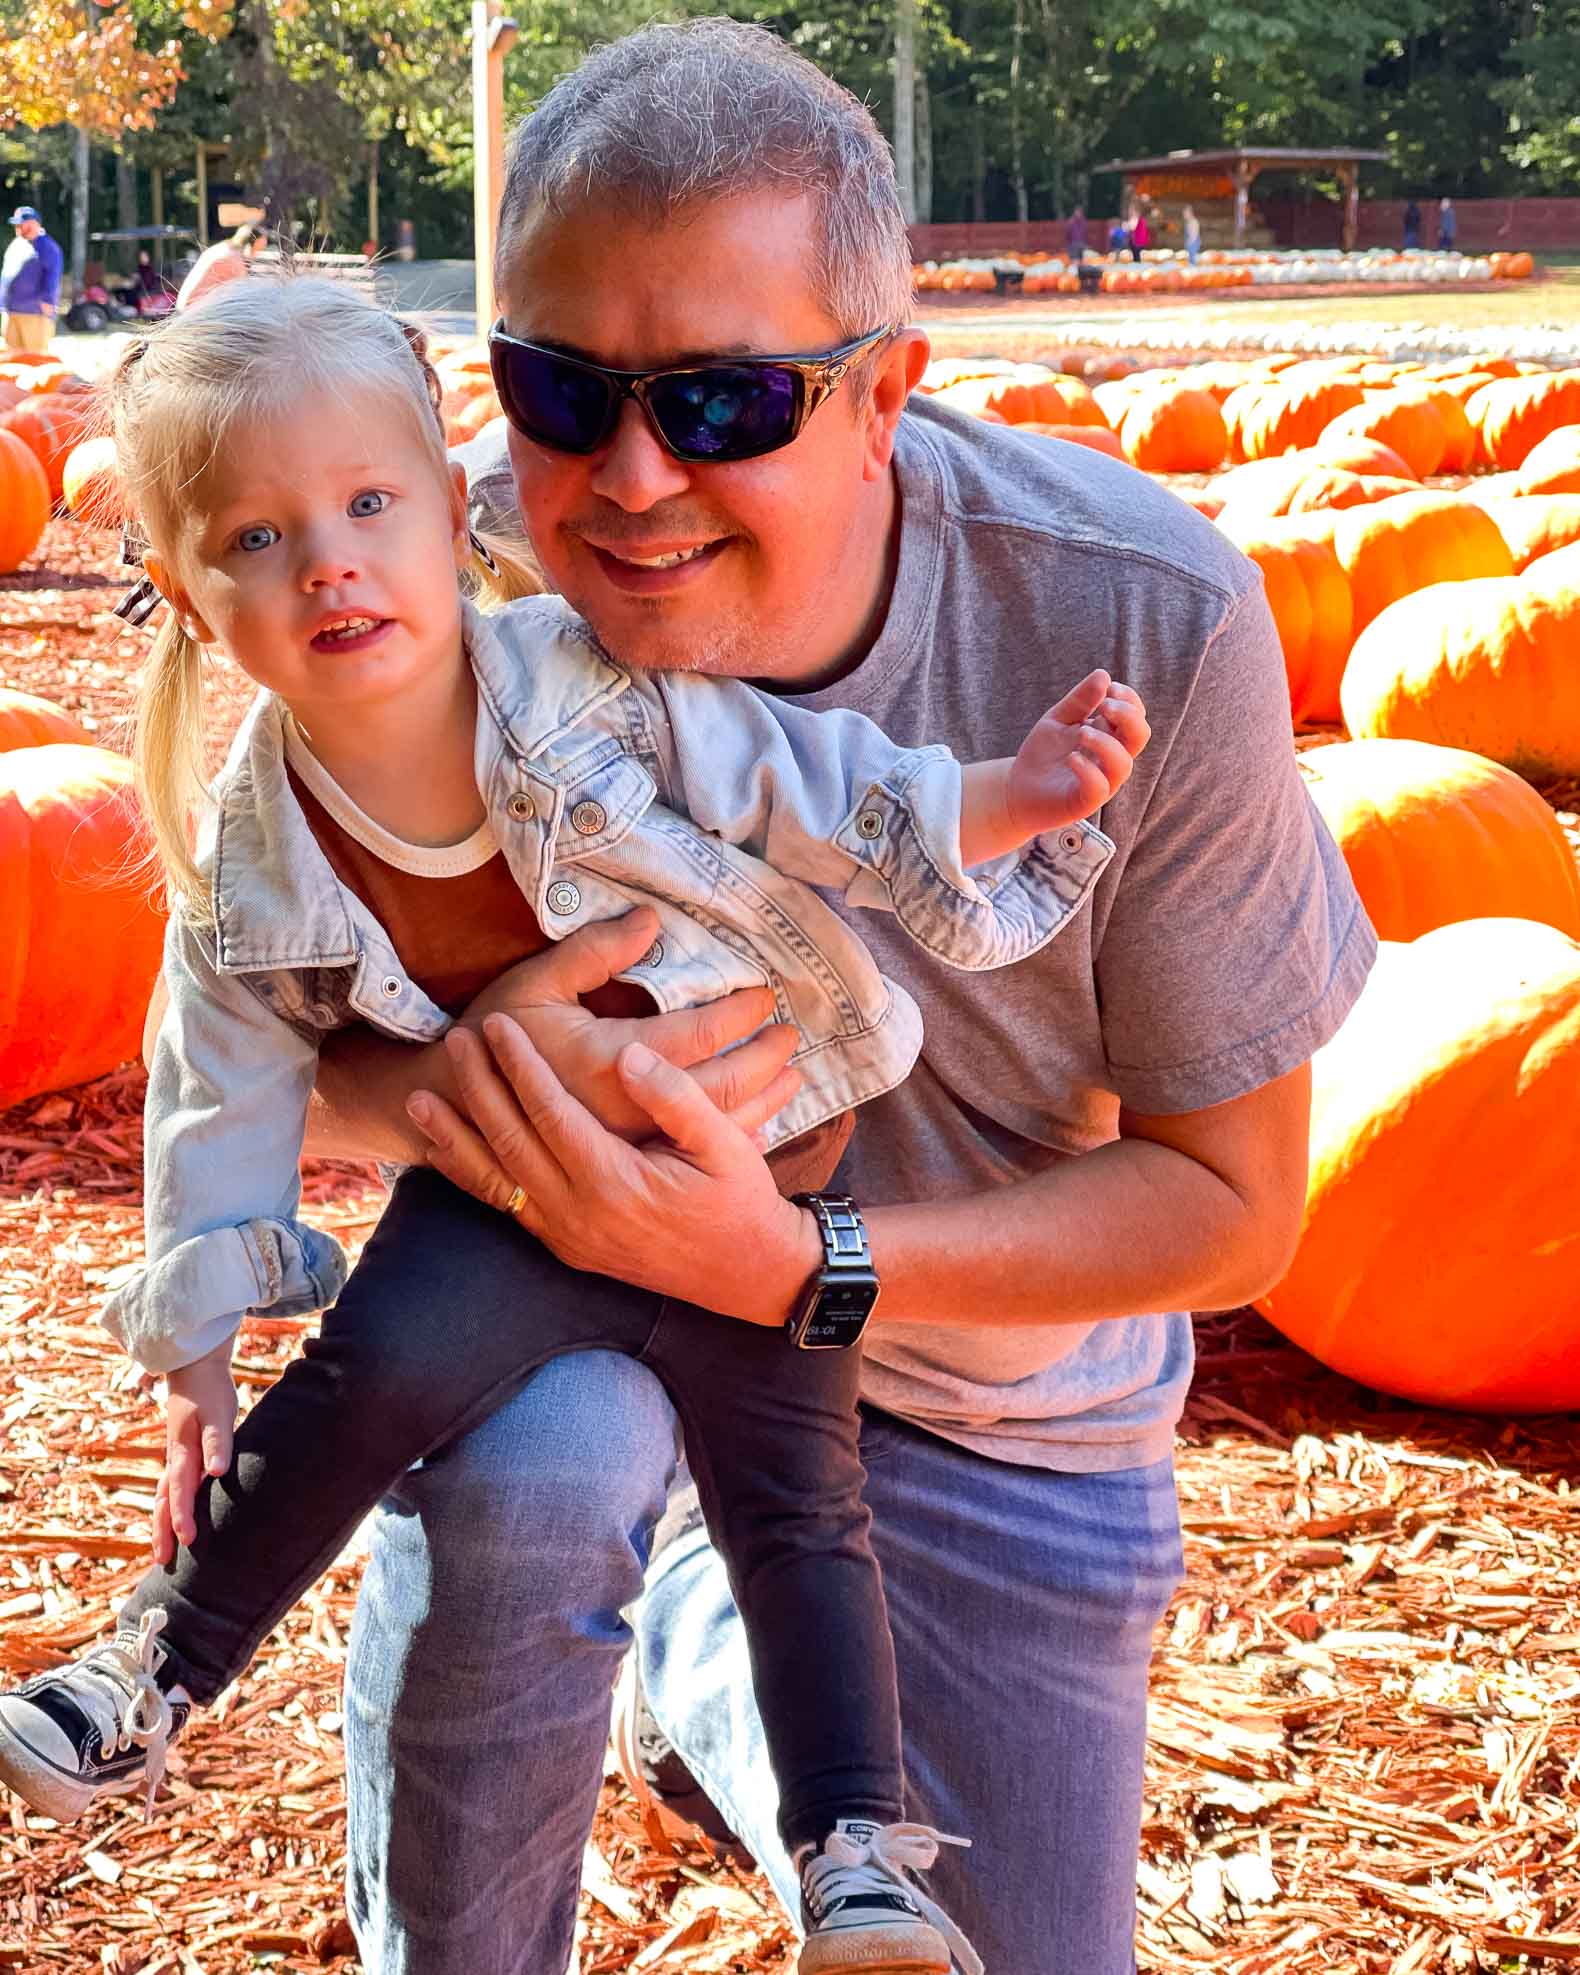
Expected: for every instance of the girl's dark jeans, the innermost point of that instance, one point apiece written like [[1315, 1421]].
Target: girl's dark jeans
[[450, 1310]]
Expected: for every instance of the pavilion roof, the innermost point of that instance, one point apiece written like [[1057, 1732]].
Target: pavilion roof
[[1215, 162]]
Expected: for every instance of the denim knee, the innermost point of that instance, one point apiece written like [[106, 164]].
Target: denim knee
[[569, 1474]]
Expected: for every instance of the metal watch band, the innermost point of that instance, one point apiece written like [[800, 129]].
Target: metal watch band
[[844, 1232]]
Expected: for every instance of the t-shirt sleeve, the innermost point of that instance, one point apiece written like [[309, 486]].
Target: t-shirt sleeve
[[1236, 943]]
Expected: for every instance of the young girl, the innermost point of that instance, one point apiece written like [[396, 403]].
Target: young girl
[[419, 795]]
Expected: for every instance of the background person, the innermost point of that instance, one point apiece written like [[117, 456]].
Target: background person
[[227, 260], [1447, 225], [29, 283], [1192, 226]]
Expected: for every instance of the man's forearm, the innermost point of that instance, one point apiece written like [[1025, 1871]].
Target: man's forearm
[[1125, 1230], [358, 1110]]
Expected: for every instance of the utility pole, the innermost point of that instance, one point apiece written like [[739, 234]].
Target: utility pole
[[905, 105], [493, 36]]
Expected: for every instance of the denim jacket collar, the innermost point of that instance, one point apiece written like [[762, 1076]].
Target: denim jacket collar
[[277, 902]]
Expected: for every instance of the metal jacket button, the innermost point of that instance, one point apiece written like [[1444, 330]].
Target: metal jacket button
[[564, 898], [869, 824], [390, 985], [522, 807], [589, 818], [1071, 840], [654, 956]]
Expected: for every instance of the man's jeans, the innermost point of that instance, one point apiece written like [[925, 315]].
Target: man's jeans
[[489, 1631]]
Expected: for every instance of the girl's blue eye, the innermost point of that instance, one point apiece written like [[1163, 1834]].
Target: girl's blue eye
[[261, 537], [371, 502]]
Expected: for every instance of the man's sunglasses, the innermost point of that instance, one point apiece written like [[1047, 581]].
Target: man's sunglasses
[[733, 408]]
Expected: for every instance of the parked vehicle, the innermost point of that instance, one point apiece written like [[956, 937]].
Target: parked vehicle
[[96, 309]]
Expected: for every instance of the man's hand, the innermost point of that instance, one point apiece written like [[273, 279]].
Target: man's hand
[[584, 1048], [1076, 757], [698, 1217], [200, 1415]]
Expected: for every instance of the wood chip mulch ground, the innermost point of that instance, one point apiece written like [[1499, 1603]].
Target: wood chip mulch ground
[[1365, 1729]]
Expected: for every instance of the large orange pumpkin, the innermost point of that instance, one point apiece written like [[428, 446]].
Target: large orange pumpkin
[[1358, 453], [1171, 429], [1406, 422], [1513, 414], [1335, 486], [1442, 1223], [1533, 525], [1552, 466], [26, 721], [50, 426], [1309, 599], [1485, 665], [80, 940], [1266, 419], [1390, 548], [1436, 834], [91, 483], [24, 502], [1097, 438]]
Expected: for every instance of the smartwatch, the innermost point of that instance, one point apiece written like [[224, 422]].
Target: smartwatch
[[839, 1299]]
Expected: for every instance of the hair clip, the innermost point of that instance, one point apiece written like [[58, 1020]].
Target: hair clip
[[481, 550], [139, 603]]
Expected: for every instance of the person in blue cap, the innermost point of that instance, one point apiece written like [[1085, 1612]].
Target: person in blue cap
[[29, 283]]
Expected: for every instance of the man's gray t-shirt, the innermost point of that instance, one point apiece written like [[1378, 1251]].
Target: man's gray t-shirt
[[1224, 942]]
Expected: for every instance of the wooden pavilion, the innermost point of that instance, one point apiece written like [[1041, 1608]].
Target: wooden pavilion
[[1207, 176]]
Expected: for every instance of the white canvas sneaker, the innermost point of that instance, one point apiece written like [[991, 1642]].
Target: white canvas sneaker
[[864, 1915]]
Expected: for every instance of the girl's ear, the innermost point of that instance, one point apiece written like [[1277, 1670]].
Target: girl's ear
[[460, 521], [164, 581]]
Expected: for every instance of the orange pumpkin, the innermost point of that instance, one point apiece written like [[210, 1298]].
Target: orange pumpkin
[[1552, 466], [1360, 454], [1391, 548], [1266, 419], [1513, 414], [24, 502], [1462, 438], [1334, 486], [1407, 423], [1442, 1221], [80, 940], [1170, 429], [1533, 525], [50, 426], [1436, 834], [26, 721], [1309, 599], [1097, 438], [91, 483], [1486, 665], [470, 419], [1265, 486]]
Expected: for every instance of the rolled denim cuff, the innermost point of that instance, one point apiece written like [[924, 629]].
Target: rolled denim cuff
[[188, 1302], [904, 833]]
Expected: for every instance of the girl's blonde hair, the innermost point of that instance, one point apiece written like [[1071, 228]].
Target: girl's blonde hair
[[252, 349]]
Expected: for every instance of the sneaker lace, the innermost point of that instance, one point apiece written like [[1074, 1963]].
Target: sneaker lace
[[114, 1686], [848, 1864]]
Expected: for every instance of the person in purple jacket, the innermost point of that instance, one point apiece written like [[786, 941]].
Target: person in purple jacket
[[29, 283]]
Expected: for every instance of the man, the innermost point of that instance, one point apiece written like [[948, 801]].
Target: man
[[226, 261], [29, 284], [1093, 1143]]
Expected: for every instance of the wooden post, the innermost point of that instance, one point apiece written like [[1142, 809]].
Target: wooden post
[[202, 195], [156, 194], [905, 106], [1243, 175], [1350, 179], [488, 150]]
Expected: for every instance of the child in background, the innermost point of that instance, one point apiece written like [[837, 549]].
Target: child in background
[[421, 795]]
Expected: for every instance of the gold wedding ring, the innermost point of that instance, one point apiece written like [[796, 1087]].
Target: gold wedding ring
[[517, 1200]]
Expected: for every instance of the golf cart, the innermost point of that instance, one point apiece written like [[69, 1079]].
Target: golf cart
[[145, 293]]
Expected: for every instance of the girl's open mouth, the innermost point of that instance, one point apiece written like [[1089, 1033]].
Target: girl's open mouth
[[351, 633]]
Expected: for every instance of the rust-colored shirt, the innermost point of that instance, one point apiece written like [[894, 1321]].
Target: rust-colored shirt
[[458, 919]]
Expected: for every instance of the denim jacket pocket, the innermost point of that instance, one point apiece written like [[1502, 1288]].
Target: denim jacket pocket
[[603, 796]]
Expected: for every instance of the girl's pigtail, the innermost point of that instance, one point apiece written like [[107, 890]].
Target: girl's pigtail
[[513, 575], [168, 757]]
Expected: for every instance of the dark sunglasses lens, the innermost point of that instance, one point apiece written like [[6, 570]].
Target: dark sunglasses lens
[[551, 400], [729, 411]]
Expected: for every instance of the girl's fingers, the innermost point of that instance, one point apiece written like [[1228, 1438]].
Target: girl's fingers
[[768, 1103], [164, 1545], [1108, 756], [1082, 699], [216, 1447]]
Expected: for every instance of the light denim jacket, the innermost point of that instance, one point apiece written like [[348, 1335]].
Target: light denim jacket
[[702, 797]]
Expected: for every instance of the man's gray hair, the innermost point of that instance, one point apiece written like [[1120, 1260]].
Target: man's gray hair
[[699, 110]]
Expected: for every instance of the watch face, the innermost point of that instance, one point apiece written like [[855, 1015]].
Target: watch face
[[838, 1315]]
